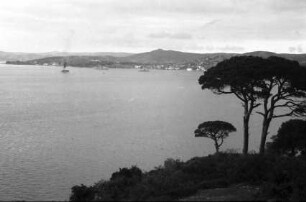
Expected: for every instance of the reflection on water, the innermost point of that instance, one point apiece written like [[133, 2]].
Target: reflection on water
[[59, 130]]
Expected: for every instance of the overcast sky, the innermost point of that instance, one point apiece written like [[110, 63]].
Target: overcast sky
[[143, 25]]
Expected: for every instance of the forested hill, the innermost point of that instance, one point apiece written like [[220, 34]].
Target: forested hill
[[156, 57], [301, 58], [21, 56], [169, 56]]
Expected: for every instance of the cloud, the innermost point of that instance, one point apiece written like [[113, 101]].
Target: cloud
[[295, 49], [100, 24], [287, 6], [211, 23], [231, 48], [167, 35], [226, 48], [194, 7]]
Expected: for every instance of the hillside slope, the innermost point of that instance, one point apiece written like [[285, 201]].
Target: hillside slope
[[155, 57], [14, 56]]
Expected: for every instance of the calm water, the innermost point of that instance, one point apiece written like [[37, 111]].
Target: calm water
[[59, 130]]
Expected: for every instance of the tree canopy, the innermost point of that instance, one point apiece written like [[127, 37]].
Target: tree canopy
[[215, 130], [239, 76], [278, 84], [290, 138], [283, 92]]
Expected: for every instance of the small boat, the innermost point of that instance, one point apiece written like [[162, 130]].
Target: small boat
[[64, 68]]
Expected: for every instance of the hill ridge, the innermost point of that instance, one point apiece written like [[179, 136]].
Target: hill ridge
[[154, 57]]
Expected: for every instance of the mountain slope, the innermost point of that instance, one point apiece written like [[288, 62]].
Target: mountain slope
[[169, 56], [13, 56], [152, 58], [263, 54], [301, 58], [162, 56]]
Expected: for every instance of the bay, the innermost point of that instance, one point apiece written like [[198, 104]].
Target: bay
[[58, 130]]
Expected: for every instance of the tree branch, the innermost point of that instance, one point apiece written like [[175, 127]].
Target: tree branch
[[242, 99], [256, 105], [283, 115], [288, 104], [221, 142], [219, 91], [260, 113]]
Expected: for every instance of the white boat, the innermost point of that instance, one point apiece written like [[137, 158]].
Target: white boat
[[189, 69]]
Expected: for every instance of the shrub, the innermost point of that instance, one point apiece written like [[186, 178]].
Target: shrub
[[280, 177], [82, 193], [290, 139], [286, 180]]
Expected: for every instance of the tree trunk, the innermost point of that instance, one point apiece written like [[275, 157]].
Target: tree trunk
[[264, 134], [216, 146], [246, 119]]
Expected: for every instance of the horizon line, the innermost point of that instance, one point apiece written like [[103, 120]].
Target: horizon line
[[127, 52]]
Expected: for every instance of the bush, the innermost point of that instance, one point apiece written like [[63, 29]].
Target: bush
[[287, 180], [82, 193], [125, 173], [290, 139], [280, 178]]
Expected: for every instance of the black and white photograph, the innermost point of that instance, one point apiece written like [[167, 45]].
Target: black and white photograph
[[152, 100]]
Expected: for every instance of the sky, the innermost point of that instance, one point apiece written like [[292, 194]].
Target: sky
[[201, 26]]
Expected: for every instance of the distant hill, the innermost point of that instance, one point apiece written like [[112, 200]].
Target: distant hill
[[176, 57], [263, 54], [162, 56], [14, 56], [301, 58], [155, 57], [9, 56], [76, 61]]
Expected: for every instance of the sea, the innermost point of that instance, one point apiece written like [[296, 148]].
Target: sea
[[59, 129]]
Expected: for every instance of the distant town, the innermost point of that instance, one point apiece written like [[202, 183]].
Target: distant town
[[157, 59]]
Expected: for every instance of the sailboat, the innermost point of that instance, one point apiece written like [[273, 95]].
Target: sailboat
[[64, 68]]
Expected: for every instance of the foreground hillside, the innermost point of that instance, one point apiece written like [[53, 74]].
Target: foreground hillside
[[251, 177]]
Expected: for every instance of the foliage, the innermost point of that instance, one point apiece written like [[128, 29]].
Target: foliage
[[290, 139], [286, 180], [215, 130], [283, 88], [127, 173], [278, 84], [279, 177], [238, 76], [82, 193]]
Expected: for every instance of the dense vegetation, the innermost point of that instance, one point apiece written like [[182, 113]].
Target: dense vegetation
[[290, 139], [279, 177]]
